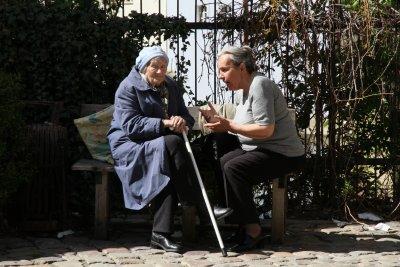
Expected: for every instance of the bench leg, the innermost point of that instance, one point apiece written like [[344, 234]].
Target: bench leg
[[278, 210], [101, 206], [189, 223]]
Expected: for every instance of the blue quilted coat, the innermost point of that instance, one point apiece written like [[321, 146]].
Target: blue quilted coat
[[136, 138]]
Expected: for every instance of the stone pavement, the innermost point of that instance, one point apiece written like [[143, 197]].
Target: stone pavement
[[309, 243]]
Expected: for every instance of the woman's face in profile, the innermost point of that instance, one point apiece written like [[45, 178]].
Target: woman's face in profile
[[156, 70], [229, 73]]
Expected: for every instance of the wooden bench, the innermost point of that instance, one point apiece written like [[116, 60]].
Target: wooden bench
[[103, 171]]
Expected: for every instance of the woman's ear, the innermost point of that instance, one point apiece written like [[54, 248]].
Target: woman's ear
[[242, 67]]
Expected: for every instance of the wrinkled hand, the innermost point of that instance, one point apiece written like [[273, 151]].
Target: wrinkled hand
[[176, 123], [209, 113], [220, 125]]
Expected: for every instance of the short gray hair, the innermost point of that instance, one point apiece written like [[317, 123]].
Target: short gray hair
[[239, 55]]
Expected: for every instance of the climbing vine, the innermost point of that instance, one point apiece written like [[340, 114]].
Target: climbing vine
[[338, 64]]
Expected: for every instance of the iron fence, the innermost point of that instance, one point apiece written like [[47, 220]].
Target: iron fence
[[327, 141]]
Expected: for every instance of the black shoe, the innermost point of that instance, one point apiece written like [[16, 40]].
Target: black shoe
[[161, 241], [249, 243], [221, 213], [237, 237]]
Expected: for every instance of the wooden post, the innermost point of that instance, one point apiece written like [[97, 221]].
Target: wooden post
[[101, 206], [278, 209]]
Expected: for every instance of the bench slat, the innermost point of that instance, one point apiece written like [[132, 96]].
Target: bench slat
[[92, 165]]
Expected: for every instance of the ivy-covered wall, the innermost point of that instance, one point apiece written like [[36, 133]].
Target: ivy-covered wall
[[74, 53], [68, 51], [15, 157]]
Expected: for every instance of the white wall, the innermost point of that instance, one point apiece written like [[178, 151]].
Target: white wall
[[148, 6]]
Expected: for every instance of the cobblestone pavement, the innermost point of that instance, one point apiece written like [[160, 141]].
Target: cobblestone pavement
[[309, 243]]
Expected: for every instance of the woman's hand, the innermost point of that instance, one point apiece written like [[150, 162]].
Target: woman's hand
[[176, 124], [254, 131], [219, 124], [209, 113]]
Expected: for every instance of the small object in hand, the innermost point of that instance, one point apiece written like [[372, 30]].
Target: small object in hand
[[212, 109]]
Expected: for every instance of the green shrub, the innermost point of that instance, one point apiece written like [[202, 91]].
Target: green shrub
[[15, 165], [73, 52], [66, 52]]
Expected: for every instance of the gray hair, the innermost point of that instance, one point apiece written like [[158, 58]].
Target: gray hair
[[239, 55]]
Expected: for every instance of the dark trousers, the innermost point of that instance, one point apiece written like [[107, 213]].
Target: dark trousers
[[243, 169], [182, 186]]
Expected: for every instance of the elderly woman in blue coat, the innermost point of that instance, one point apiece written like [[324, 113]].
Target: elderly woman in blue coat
[[146, 144]]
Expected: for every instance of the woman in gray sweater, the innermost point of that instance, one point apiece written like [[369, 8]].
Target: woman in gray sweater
[[268, 145]]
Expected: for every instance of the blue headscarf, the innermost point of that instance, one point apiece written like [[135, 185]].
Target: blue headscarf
[[147, 54]]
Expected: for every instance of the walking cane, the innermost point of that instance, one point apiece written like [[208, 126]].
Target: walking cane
[[203, 191]]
